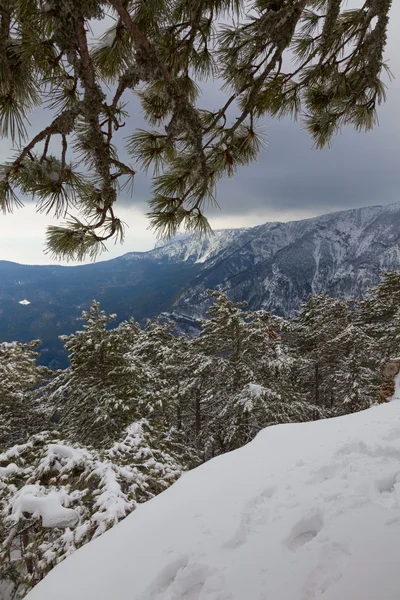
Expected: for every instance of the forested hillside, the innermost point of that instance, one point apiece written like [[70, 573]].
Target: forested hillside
[[82, 447]]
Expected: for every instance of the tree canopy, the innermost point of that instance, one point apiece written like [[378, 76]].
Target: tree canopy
[[317, 60]]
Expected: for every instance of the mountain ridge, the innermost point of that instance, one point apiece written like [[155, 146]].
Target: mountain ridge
[[273, 267], [329, 255]]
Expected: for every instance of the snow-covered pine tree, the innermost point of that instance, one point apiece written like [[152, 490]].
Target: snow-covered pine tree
[[272, 397], [156, 348], [193, 373], [225, 370], [19, 378], [249, 385], [379, 315], [98, 395], [317, 326], [166, 359], [55, 497], [224, 335], [357, 376]]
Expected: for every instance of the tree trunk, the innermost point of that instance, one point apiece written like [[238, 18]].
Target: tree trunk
[[198, 413], [316, 380], [179, 416], [24, 544]]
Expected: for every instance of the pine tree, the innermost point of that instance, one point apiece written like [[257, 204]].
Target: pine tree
[[20, 376], [248, 382], [167, 359], [357, 377], [99, 394], [194, 372], [162, 50], [157, 349], [225, 335], [379, 315], [316, 330], [90, 491]]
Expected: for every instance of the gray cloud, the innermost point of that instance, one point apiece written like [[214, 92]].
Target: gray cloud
[[291, 179], [359, 170]]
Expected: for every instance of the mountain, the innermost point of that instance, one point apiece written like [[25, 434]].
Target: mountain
[[277, 265], [304, 512], [272, 266]]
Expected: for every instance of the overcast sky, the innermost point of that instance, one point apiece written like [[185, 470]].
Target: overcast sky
[[291, 180]]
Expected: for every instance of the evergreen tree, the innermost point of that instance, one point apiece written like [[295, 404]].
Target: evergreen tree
[[20, 376], [99, 394], [195, 373], [89, 491], [225, 335], [249, 380], [316, 330], [157, 349], [162, 50], [379, 315], [357, 377], [167, 360]]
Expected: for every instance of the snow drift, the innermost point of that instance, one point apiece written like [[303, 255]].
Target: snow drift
[[304, 511]]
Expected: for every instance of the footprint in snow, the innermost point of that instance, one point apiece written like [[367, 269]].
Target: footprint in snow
[[304, 531], [324, 473], [392, 436], [379, 451], [184, 579], [332, 563], [254, 513]]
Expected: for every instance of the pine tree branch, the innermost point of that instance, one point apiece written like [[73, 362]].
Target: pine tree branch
[[62, 125]]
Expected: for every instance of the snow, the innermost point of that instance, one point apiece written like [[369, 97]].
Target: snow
[[191, 248], [24, 302], [49, 507], [305, 511], [255, 389], [8, 470], [65, 452]]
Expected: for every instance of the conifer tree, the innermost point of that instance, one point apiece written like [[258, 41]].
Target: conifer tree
[[99, 394], [157, 348], [357, 377], [379, 315], [89, 490], [317, 328], [249, 383], [167, 360], [19, 377], [310, 58], [195, 373]]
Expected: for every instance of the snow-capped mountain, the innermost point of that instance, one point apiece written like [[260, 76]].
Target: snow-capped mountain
[[273, 266], [191, 248], [304, 512]]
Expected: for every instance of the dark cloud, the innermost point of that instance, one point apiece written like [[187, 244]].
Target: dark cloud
[[291, 177], [359, 170]]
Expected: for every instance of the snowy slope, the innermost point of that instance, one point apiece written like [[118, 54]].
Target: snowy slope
[[303, 512], [191, 248], [275, 266]]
